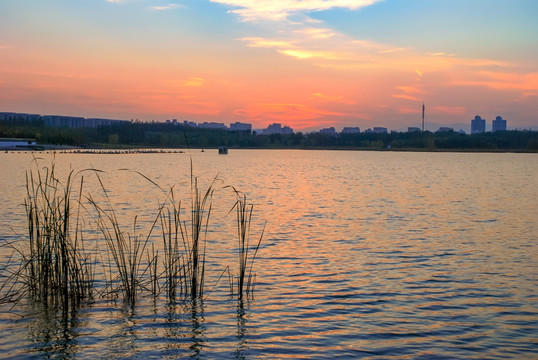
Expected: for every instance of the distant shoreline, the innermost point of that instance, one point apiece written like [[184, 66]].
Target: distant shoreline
[[154, 150]]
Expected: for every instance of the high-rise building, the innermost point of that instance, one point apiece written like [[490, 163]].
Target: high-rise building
[[478, 125], [277, 128], [328, 131], [239, 126], [499, 124], [380, 130], [351, 130]]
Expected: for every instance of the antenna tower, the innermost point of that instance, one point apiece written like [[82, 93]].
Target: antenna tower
[[423, 108]]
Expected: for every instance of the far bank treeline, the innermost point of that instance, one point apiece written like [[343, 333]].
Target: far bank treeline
[[163, 135]]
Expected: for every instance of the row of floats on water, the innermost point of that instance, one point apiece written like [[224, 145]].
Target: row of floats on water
[[223, 150]]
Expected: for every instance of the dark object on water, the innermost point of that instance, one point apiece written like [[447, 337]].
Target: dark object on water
[[223, 150]]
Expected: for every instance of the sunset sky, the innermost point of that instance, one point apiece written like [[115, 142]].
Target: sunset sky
[[307, 64]]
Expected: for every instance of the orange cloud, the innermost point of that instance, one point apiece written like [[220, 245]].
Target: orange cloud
[[317, 33], [290, 112], [406, 97], [526, 83], [309, 54], [451, 110], [194, 82], [331, 98]]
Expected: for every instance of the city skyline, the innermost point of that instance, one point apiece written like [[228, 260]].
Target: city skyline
[[477, 125], [305, 64]]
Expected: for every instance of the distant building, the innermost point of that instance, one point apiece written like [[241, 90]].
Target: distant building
[[189, 123], [286, 130], [351, 130], [96, 122], [380, 130], [277, 128], [7, 116], [413, 129], [478, 125], [328, 131], [238, 126], [7, 143], [445, 129], [213, 125], [64, 121], [58, 120], [499, 124]]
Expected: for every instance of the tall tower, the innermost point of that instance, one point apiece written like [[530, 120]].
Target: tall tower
[[423, 108]]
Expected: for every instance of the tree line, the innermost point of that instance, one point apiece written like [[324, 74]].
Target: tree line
[[164, 135]]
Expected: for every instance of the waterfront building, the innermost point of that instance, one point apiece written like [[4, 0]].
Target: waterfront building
[[351, 130], [286, 130], [6, 143], [445, 129], [499, 124], [213, 125], [96, 122], [10, 116], [277, 128], [189, 123], [64, 121], [380, 130], [239, 126], [328, 131], [478, 125]]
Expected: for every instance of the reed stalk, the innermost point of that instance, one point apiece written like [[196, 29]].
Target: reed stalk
[[246, 253], [174, 260], [194, 241], [126, 249]]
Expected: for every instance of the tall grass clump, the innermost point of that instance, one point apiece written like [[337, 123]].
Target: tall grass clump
[[246, 252], [55, 269], [126, 250], [194, 241], [174, 263]]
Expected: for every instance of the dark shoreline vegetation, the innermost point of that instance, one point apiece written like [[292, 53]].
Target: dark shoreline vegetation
[[128, 135], [78, 251]]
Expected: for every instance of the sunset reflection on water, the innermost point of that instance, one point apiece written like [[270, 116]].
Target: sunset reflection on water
[[365, 254]]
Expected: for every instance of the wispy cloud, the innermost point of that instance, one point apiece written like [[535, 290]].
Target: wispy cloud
[[250, 10], [406, 97], [316, 33], [451, 110], [318, 96], [194, 82], [167, 7], [268, 43], [525, 83], [309, 54], [440, 54]]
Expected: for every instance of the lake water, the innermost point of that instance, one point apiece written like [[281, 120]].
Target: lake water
[[375, 255]]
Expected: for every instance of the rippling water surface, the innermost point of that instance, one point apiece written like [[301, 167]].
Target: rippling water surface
[[385, 255]]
